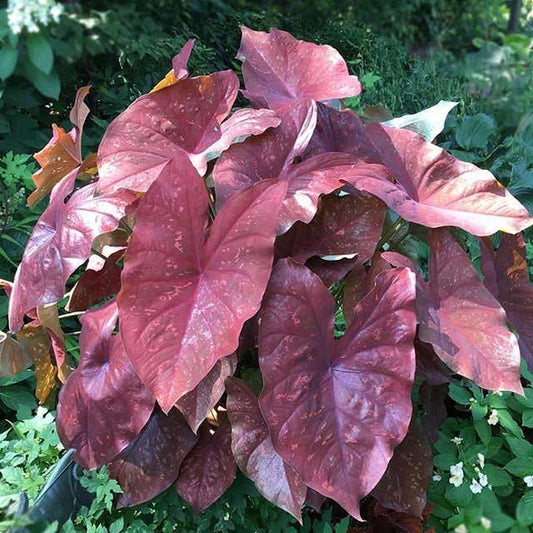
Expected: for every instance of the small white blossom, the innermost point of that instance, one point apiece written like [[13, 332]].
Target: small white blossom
[[483, 479], [493, 418], [457, 474], [437, 477], [481, 460], [475, 487], [457, 440], [461, 529], [485, 522], [528, 480], [29, 14]]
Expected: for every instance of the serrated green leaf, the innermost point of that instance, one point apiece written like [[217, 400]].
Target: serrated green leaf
[[40, 52]]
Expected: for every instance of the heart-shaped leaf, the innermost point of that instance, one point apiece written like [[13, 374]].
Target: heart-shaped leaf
[[196, 405], [450, 309], [337, 409], [250, 441], [511, 286], [150, 464], [60, 243], [103, 405], [184, 298], [209, 469], [277, 69]]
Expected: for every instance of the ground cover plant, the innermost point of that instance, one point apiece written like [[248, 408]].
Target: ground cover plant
[[211, 238]]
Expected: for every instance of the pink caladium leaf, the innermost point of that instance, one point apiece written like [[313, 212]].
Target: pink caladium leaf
[[180, 60], [337, 409], [196, 405], [209, 469], [185, 297], [151, 463], [61, 242], [94, 286], [507, 277], [404, 485], [277, 69], [256, 457], [314, 499], [343, 225], [450, 308], [435, 189], [103, 405]]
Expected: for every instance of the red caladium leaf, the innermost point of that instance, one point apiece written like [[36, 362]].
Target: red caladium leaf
[[13, 357], [196, 405], [404, 485], [330, 271], [209, 469], [509, 283], [60, 243], [432, 398], [184, 298], [272, 155], [450, 308], [150, 464], [185, 117], [96, 285], [62, 154], [103, 405], [314, 499], [179, 67], [337, 409], [252, 447], [428, 364], [435, 189], [277, 69], [343, 225]]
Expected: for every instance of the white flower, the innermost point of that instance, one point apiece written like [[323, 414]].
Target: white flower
[[457, 440], [461, 529], [481, 460], [437, 477], [483, 479], [475, 487], [28, 14], [528, 480], [457, 474], [485, 522], [493, 418]]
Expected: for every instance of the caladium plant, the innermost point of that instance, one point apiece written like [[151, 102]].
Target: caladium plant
[[246, 298]]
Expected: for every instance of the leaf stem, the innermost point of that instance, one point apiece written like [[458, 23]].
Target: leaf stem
[[68, 315]]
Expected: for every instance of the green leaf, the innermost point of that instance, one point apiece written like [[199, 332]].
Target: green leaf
[[444, 460], [475, 131], [483, 430], [459, 394], [8, 61], [479, 412], [520, 447], [47, 84], [498, 477], [509, 423], [520, 467], [527, 418], [524, 509], [40, 52]]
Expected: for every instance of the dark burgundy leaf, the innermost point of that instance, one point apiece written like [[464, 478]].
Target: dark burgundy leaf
[[209, 469], [250, 441], [451, 308], [404, 485], [96, 285], [428, 364], [277, 69], [314, 499], [195, 405], [103, 405], [330, 271], [337, 409], [343, 225], [185, 298], [432, 398], [152, 461], [60, 243], [512, 287], [435, 189]]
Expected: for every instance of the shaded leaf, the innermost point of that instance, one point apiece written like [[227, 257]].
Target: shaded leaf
[[13, 359], [60, 243], [195, 405], [336, 409], [277, 69], [150, 464], [185, 298], [330, 271], [250, 441], [209, 469], [432, 398], [103, 405]]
